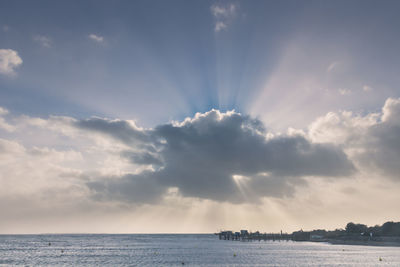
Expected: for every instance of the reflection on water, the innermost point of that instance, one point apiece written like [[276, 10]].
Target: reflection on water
[[174, 250]]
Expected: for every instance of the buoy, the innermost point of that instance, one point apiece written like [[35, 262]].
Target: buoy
[[234, 254], [49, 244], [183, 263], [380, 259], [62, 251]]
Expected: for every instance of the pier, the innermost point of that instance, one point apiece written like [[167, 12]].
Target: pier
[[245, 235]]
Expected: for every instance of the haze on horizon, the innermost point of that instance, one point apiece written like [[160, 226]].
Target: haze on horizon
[[195, 116]]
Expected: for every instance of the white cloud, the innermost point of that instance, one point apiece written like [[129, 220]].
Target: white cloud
[[43, 40], [9, 60], [367, 88], [332, 66], [3, 111], [344, 91], [341, 128], [391, 111], [5, 28], [223, 10], [219, 25], [223, 15], [44, 167], [371, 141], [3, 124], [96, 38]]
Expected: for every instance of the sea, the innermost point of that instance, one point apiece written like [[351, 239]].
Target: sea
[[182, 250]]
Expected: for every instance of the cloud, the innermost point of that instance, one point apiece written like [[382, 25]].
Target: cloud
[[9, 60], [5, 28], [343, 91], [219, 25], [391, 112], [332, 66], [56, 170], [203, 156], [223, 15], [3, 124], [371, 141], [367, 88], [144, 158], [96, 38], [382, 148], [223, 11], [341, 128], [43, 40], [36, 183], [125, 131], [3, 111]]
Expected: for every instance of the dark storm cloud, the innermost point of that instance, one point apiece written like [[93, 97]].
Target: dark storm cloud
[[119, 129], [223, 157], [144, 158]]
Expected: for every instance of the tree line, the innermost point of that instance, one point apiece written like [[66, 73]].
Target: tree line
[[386, 229], [352, 231]]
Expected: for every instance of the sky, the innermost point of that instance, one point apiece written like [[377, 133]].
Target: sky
[[196, 116]]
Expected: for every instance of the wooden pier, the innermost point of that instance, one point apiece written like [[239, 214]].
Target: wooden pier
[[244, 235]]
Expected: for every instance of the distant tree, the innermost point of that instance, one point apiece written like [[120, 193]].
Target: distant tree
[[318, 232], [375, 230], [353, 228], [391, 229], [335, 234], [350, 227]]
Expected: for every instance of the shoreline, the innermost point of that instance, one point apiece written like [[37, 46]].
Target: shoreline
[[362, 243]]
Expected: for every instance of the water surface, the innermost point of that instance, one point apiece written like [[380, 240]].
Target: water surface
[[173, 250]]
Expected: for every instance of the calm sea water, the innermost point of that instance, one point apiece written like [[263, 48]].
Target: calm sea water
[[174, 250]]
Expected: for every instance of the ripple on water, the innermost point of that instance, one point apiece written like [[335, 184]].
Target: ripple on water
[[172, 250]]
